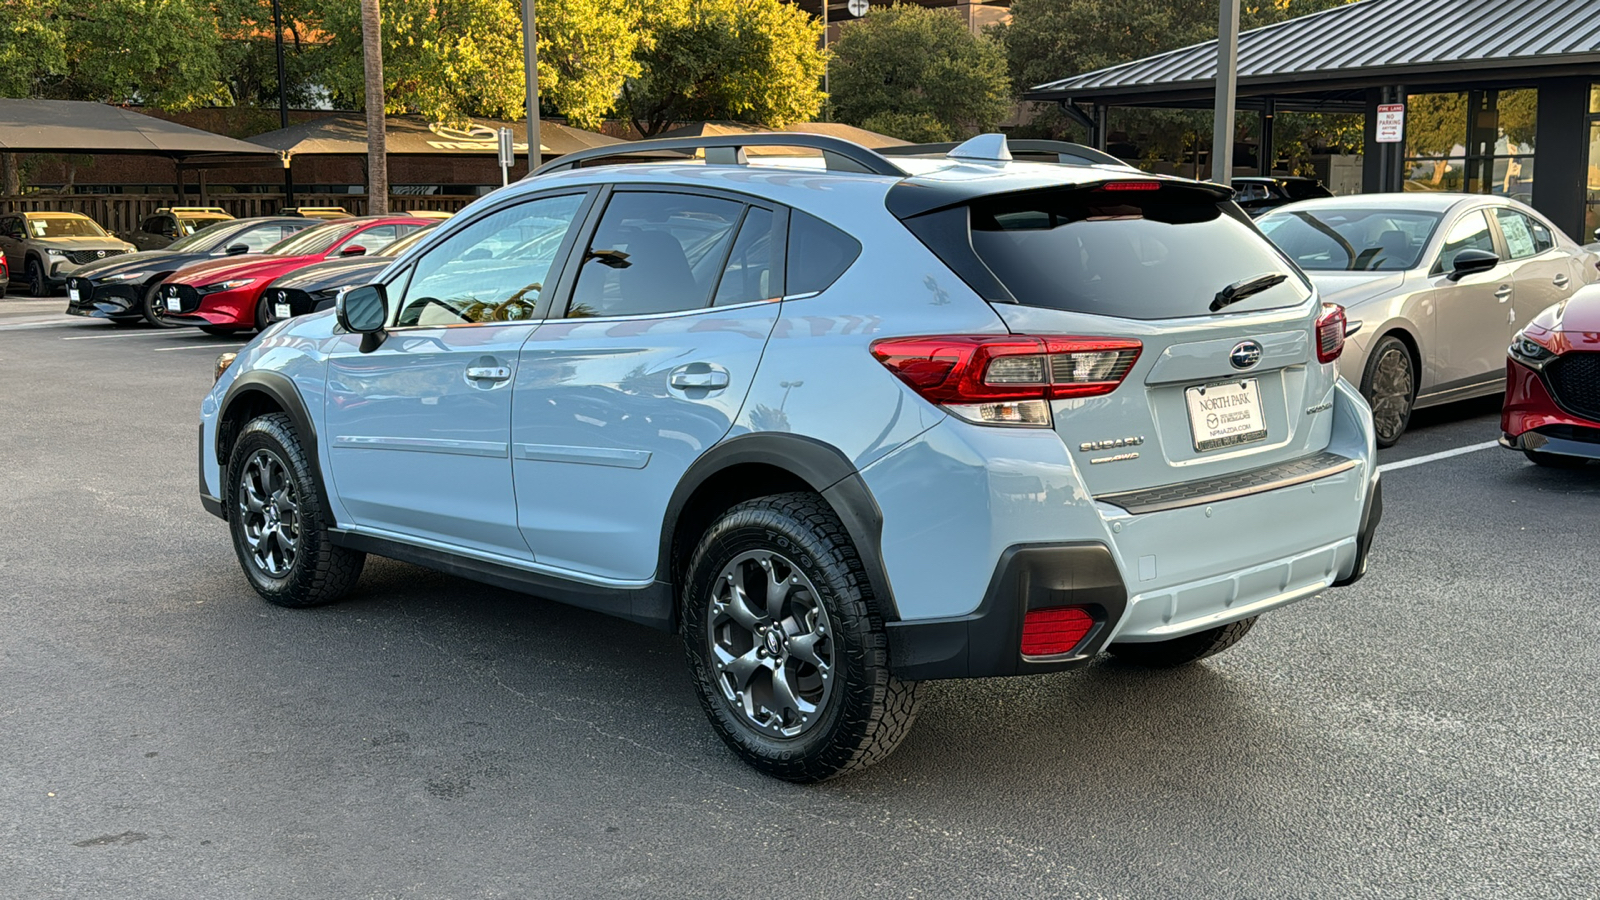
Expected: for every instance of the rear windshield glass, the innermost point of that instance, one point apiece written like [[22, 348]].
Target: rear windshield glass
[[1304, 190], [1350, 240], [1154, 254]]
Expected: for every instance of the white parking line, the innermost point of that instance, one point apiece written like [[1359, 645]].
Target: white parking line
[[120, 334], [196, 347], [1434, 457]]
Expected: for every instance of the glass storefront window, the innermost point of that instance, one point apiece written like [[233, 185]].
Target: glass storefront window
[[1479, 141], [1592, 183]]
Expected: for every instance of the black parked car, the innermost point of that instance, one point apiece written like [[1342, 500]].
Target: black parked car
[[316, 286], [1257, 194], [123, 289]]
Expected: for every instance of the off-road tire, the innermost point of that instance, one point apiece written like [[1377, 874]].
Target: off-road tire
[[1374, 382], [154, 312], [319, 571], [1555, 460], [1184, 650], [869, 711]]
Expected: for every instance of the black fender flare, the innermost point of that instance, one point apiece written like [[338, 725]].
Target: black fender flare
[[824, 468], [281, 391]]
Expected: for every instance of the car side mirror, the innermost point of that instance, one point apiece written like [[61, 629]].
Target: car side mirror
[[1469, 261], [353, 250], [238, 249], [364, 310]]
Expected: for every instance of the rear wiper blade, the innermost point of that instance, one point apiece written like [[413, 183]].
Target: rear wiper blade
[[1239, 290]]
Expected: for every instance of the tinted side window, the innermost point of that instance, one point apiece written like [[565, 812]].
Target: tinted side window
[[493, 270], [152, 225], [654, 253], [1470, 233], [818, 254], [259, 238], [748, 276]]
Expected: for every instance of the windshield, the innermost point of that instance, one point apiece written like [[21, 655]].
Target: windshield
[[1350, 240], [316, 239], [1140, 254], [192, 224], [64, 226], [207, 237]]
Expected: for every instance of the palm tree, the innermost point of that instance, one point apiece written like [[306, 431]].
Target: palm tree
[[377, 151]]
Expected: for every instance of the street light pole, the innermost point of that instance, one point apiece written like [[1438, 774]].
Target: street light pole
[[283, 102], [530, 64], [1227, 88]]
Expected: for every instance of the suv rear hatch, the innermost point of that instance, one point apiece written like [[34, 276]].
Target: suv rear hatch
[[1227, 379]]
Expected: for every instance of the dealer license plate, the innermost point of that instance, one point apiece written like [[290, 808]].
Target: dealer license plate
[[1225, 414], [281, 310], [173, 303], [72, 294]]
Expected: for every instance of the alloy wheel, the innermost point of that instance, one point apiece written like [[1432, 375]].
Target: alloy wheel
[[1393, 385], [268, 508], [770, 644]]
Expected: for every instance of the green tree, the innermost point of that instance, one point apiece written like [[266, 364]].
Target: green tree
[[753, 61], [918, 74]]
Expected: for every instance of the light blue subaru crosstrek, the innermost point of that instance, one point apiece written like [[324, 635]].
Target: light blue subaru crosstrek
[[847, 421]]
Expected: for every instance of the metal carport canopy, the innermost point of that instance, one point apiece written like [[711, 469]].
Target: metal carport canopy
[[1366, 44], [77, 126], [345, 134]]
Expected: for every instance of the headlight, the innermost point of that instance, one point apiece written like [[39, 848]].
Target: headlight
[[127, 276], [223, 362], [1528, 352], [54, 252], [227, 285]]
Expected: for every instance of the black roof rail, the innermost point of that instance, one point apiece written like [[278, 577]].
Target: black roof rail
[[838, 155], [1066, 152]]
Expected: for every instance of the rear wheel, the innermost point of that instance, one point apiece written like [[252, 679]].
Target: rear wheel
[[1555, 460], [275, 515], [1390, 386], [1184, 650], [155, 312], [790, 661]]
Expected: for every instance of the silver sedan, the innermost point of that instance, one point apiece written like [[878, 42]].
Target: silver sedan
[[1434, 286]]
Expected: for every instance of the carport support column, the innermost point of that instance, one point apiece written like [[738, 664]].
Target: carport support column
[[1266, 150], [1100, 139], [1227, 89]]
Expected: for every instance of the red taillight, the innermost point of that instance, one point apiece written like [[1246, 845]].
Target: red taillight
[[985, 369], [1330, 332], [1051, 632], [1131, 186]]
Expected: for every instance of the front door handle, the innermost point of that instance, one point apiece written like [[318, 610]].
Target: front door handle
[[703, 376], [1504, 293], [488, 373], [1562, 281]]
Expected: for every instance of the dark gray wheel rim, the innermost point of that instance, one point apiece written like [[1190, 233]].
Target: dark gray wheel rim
[[771, 645], [269, 513], [35, 279], [154, 306], [1392, 388]]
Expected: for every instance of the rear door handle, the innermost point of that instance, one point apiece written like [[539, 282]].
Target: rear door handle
[[488, 373], [1504, 293], [699, 375]]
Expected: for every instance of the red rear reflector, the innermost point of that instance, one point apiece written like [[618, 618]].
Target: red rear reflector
[[955, 369], [1331, 326], [1131, 186], [1052, 632]]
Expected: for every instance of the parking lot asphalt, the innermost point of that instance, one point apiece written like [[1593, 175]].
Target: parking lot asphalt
[[1429, 732]]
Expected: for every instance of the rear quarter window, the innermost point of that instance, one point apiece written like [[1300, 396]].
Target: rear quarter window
[[818, 254], [1150, 254]]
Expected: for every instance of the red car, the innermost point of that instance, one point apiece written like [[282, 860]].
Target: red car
[[1552, 409], [227, 294]]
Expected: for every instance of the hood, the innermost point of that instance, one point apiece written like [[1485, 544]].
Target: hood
[[249, 265], [1574, 323], [334, 273], [144, 260], [1348, 289], [81, 243]]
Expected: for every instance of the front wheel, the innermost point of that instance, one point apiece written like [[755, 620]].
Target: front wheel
[[36, 285], [1184, 650], [155, 311], [790, 662], [1390, 386], [275, 515]]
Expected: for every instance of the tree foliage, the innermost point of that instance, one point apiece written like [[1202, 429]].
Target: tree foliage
[[753, 61], [918, 74]]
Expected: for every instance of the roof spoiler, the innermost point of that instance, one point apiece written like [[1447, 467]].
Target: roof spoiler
[[838, 155]]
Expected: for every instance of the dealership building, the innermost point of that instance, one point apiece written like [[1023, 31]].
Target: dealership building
[[1479, 96]]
